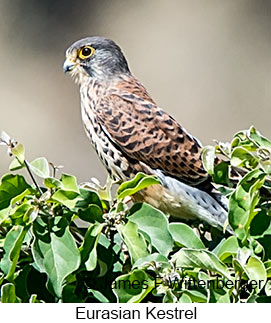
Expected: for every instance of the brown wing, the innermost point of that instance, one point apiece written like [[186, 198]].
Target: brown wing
[[145, 132]]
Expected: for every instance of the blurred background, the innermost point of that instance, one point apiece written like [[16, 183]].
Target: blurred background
[[208, 63]]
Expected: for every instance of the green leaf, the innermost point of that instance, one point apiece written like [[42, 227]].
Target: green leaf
[[67, 198], [133, 287], [242, 140], [256, 271], [16, 165], [40, 167], [228, 248], [11, 186], [136, 244], [221, 173], [69, 183], [267, 265], [154, 223], [19, 213], [92, 232], [15, 252], [55, 253], [185, 236], [104, 192], [241, 157], [224, 148], [185, 299], [243, 254], [22, 280], [91, 214], [153, 258], [10, 240], [239, 268], [139, 182], [202, 259], [18, 198], [267, 288], [103, 268], [52, 182], [18, 152], [105, 242], [88, 249], [4, 215], [208, 158], [8, 294], [260, 224], [259, 139], [243, 201], [266, 166], [219, 296], [34, 299], [196, 296], [224, 190], [169, 297], [31, 215], [87, 198], [70, 295]]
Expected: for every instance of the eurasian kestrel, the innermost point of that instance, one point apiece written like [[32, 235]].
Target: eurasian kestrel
[[131, 134]]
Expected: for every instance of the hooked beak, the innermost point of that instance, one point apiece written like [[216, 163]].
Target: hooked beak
[[68, 66]]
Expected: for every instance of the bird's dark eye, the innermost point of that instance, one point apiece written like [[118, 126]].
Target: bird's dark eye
[[86, 52]]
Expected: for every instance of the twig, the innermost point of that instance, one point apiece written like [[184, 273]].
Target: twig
[[32, 177]]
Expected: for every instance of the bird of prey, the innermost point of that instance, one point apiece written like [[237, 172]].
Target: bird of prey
[[132, 134]]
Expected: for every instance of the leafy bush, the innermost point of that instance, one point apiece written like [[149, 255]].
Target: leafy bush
[[125, 252]]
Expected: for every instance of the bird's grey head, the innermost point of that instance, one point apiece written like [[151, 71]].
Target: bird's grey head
[[95, 57]]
